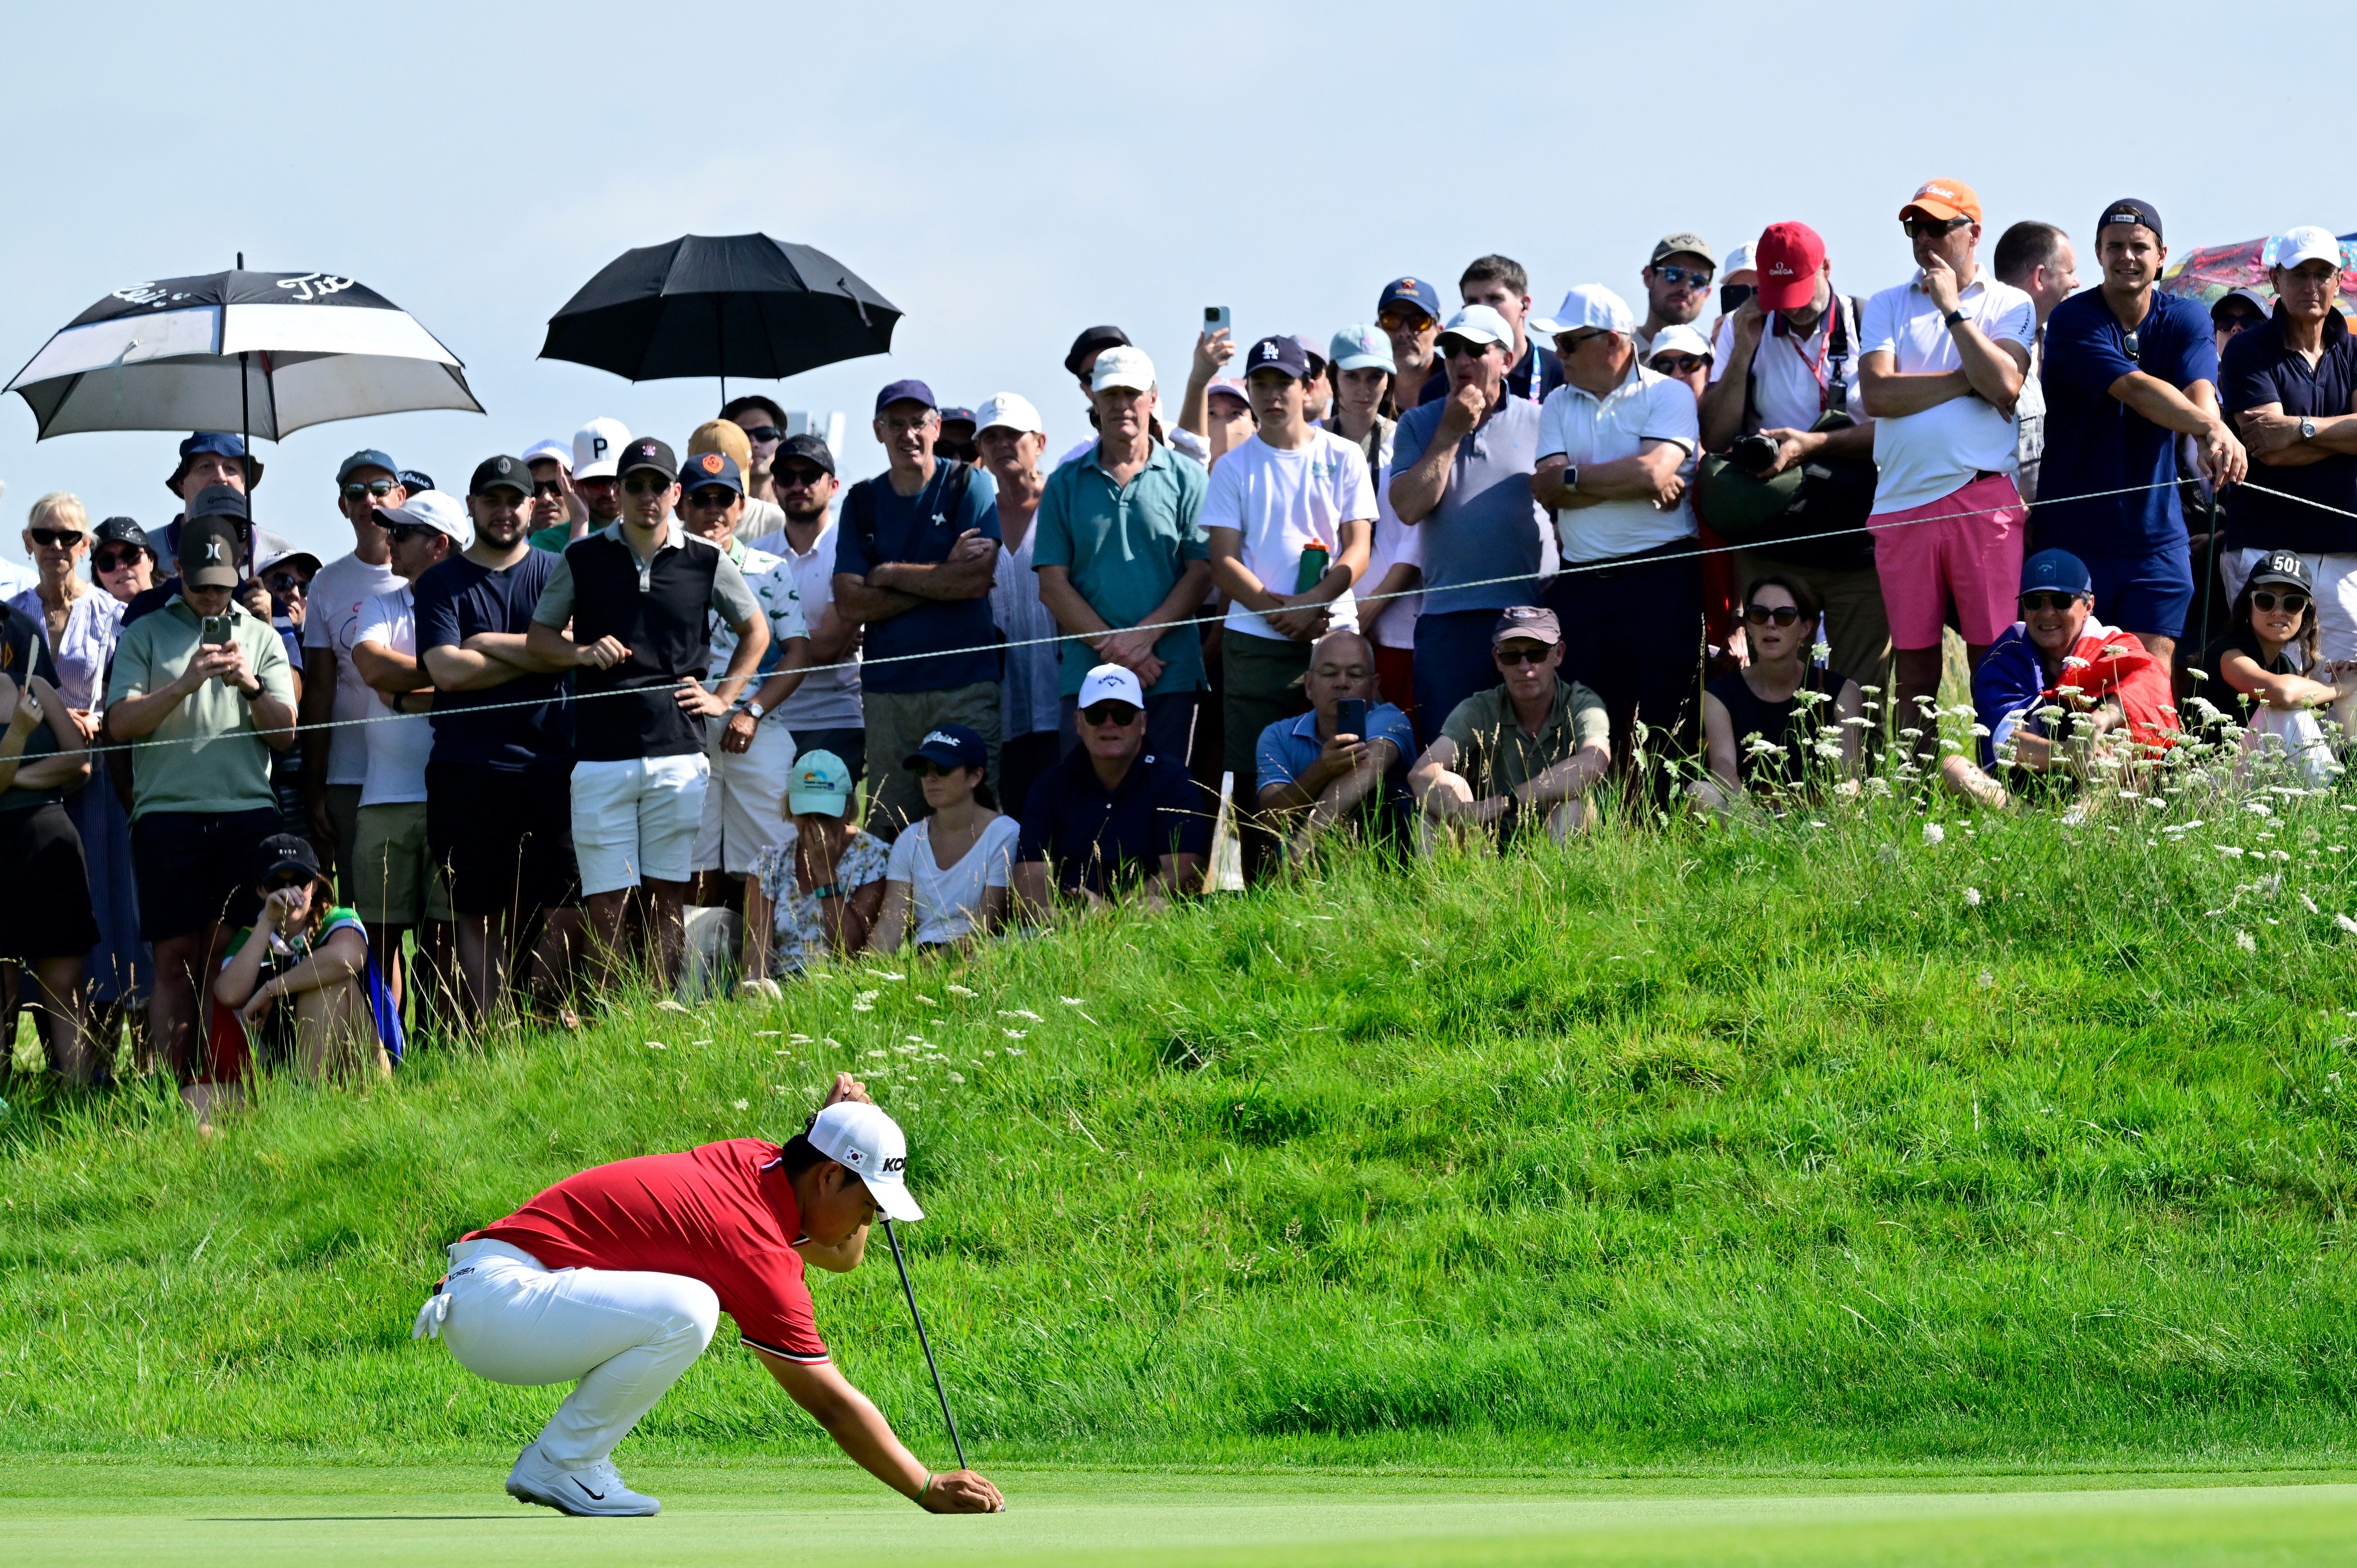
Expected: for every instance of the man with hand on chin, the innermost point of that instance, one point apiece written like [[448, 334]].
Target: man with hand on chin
[[2126, 370], [617, 1277], [637, 787]]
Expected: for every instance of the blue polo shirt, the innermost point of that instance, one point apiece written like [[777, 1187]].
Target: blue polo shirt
[[1487, 525], [2260, 367], [2095, 443], [921, 529], [1125, 547], [1289, 746], [1110, 840]]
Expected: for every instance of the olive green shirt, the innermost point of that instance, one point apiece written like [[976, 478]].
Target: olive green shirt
[[206, 756], [1496, 757]]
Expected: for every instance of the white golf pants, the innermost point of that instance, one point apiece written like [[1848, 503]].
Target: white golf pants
[[625, 1335]]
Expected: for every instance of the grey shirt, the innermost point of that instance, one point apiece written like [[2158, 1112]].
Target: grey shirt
[[1486, 526]]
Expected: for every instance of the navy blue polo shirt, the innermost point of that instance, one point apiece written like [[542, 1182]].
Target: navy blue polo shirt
[[2261, 367], [921, 529], [2095, 443], [1106, 841]]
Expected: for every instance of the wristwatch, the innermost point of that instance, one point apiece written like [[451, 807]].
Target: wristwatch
[[754, 709], [1571, 478], [829, 890], [2308, 430], [1953, 316]]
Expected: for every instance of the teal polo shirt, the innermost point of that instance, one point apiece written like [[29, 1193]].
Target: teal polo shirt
[[1124, 546]]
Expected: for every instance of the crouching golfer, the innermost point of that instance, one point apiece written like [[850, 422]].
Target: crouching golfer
[[616, 1277]]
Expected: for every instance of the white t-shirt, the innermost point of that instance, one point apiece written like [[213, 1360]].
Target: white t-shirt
[[1283, 502], [1396, 544], [398, 746], [1792, 376], [1936, 452], [947, 904], [1574, 424], [340, 596], [828, 699]]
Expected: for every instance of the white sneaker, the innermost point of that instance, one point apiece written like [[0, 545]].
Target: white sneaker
[[595, 1492]]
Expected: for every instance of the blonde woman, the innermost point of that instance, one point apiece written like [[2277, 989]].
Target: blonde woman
[[77, 622]]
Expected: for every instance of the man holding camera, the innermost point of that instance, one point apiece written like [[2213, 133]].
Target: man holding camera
[[1783, 399]]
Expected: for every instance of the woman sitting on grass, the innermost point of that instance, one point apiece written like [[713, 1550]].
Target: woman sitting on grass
[[2255, 672], [817, 893], [1764, 724], [314, 958], [948, 868]]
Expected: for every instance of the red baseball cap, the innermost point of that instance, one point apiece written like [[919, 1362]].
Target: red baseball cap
[[1789, 257]]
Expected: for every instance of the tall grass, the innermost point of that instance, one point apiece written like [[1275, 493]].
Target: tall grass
[[1799, 1141]]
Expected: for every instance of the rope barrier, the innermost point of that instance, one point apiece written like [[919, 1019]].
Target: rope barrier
[[1566, 570]]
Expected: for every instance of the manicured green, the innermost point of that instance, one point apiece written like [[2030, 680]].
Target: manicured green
[[1748, 1153]]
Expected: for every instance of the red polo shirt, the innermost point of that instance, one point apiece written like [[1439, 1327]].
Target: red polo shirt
[[723, 1213]]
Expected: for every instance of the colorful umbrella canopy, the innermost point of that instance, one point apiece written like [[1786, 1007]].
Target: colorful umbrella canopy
[[2213, 271]]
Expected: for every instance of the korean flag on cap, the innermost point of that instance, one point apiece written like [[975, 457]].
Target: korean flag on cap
[[870, 1144]]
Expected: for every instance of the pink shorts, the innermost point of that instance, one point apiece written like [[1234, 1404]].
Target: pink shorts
[[1966, 549]]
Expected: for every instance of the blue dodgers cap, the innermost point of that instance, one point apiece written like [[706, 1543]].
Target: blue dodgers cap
[[1285, 354], [950, 746], [368, 458], [706, 469], [2059, 571], [1362, 348], [819, 785], [1413, 291], [906, 392]]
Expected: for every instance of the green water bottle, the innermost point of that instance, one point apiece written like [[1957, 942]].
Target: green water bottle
[[1313, 567]]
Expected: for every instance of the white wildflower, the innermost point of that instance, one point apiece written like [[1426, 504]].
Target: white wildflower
[[654, 1045], [2258, 807], [831, 1041], [1934, 833], [2248, 943], [1973, 897], [1015, 1050], [2346, 924], [2230, 851], [886, 974], [802, 1039], [1020, 1013], [2075, 816], [742, 1105], [2308, 904], [862, 1006], [879, 1053], [867, 996], [956, 1076], [1013, 1033], [1986, 980], [668, 1005], [1072, 1001], [2278, 854], [927, 999], [961, 990]]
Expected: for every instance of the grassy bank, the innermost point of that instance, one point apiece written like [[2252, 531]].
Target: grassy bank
[[1808, 1147]]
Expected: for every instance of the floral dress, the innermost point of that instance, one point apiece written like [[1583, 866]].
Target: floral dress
[[800, 929]]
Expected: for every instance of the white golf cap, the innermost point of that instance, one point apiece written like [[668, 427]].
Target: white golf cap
[[1122, 366], [1589, 305], [1744, 258], [1681, 340], [445, 514], [1112, 683], [557, 450], [1478, 325], [863, 1141], [2305, 244], [1011, 410], [599, 448]]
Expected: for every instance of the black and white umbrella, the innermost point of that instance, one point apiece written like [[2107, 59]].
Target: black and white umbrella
[[264, 353]]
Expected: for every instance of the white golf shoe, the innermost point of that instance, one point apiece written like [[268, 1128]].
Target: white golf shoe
[[594, 1493]]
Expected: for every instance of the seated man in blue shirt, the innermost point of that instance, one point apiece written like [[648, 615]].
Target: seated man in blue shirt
[[1313, 769], [1111, 822]]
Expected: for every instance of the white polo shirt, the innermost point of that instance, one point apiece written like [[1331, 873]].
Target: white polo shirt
[[1936, 452], [1647, 406]]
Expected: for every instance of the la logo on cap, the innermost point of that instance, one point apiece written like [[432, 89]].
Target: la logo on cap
[[1268, 350]]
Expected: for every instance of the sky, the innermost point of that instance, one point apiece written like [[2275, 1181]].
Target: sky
[[1009, 176]]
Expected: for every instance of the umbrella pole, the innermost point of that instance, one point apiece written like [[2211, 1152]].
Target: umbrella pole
[[720, 347], [244, 431]]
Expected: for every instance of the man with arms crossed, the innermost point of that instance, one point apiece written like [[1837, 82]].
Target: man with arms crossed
[[335, 760], [823, 713], [616, 1278]]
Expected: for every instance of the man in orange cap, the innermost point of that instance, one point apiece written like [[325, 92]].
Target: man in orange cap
[[1942, 360]]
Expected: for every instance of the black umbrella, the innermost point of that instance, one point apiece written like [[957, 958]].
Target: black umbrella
[[739, 304]]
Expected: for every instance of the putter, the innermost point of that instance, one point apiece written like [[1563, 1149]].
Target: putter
[[919, 1318]]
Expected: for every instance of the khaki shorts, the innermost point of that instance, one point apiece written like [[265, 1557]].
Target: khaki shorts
[[395, 880]]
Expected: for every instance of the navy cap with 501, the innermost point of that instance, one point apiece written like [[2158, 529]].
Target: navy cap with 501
[[2131, 209], [707, 470], [2057, 572], [912, 391], [950, 746], [1285, 354], [2283, 566], [1416, 292], [368, 458]]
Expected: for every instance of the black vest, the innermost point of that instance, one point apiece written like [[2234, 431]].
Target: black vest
[[663, 627]]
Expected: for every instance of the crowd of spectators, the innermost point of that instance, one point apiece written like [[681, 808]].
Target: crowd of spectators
[[1447, 574]]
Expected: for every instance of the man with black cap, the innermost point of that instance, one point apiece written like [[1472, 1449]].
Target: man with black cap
[[2127, 369], [627, 607], [1525, 751], [913, 564], [823, 713], [203, 688], [335, 759], [498, 814]]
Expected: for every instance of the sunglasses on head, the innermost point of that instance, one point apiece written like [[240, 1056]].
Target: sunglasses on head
[[1510, 656], [1120, 714], [1932, 227], [646, 485], [1679, 364], [2293, 603], [56, 538], [764, 434], [1698, 278], [1781, 615], [2054, 600], [354, 489], [114, 560], [548, 487]]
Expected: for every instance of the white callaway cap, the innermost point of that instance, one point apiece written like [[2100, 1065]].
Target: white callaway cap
[[2305, 244], [557, 450], [1112, 683], [1479, 325], [1744, 258], [1011, 410], [870, 1144], [1589, 305], [599, 448], [1122, 367]]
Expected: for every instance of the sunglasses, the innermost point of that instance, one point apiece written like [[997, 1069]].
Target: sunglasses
[[1404, 321], [2293, 603], [802, 475], [548, 487], [2234, 321], [1573, 342], [1781, 615], [380, 488], [1508, 657], [765, 435], [402, 533], [115, 560], [56, 538], [936, 770], [284, 583], [714, 496], [1699, 277], [1932, 227], [1679, 364], [2131, 345], [2049, 601], [1459, 349], [287, 881], [652, 485], [1117, 713]]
